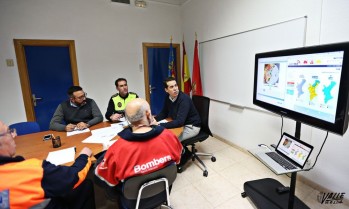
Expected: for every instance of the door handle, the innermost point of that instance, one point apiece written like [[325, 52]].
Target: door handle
[[151, 89], [35, 99]]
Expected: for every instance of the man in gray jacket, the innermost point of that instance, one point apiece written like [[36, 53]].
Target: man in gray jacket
[[77, 113]]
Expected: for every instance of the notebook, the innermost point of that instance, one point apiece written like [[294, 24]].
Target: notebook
[[291, 150]]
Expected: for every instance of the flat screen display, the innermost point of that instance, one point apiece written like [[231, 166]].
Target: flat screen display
[[309, 85]]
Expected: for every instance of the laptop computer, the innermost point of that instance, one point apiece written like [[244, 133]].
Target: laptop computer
[[291, 150]]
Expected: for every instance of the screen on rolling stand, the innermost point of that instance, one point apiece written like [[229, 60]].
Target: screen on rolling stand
[[308, 84]]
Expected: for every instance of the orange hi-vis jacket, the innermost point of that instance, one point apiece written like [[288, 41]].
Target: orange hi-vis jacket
[[31, 183]]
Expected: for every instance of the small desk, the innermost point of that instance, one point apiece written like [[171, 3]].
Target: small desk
[[33, 146]]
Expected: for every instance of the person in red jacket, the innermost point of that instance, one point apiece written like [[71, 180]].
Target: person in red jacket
[[34, 183], [142, 148]]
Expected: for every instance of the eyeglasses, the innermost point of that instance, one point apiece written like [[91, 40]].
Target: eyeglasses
[[82, 97], [11, 131]]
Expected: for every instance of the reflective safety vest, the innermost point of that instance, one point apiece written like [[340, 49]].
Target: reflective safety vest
[[25, 179], [120, 103], [30, 183]]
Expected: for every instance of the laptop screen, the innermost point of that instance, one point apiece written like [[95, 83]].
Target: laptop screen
[[294, 149]]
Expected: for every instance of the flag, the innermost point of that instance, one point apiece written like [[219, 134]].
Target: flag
[[171, 63], [186, 83], [196, 84]]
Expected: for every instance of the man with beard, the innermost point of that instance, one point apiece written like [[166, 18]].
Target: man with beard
[[77, 113]]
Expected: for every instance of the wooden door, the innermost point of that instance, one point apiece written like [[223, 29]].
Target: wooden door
[[47, 68], [155, 59]]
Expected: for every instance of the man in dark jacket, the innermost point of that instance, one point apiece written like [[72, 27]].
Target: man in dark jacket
[[34, 183], [180, 108], [77, 113]]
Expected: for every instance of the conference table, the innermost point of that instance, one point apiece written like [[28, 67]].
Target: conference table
[[33, 145]]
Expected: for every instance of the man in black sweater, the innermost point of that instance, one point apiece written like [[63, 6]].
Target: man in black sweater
[[79, 112], [180, 108]]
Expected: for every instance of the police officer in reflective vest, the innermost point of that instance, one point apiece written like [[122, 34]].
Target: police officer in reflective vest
[[118, 102]]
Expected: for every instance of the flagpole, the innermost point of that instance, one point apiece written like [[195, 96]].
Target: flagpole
[[182, 70], [171, 64]]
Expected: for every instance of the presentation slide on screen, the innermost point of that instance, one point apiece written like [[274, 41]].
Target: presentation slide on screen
[[294, 150], [308, 84]]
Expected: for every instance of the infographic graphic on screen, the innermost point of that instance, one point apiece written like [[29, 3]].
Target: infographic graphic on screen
[[294, 150], [307, 83]]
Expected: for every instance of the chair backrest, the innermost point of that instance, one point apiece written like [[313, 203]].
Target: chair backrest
[[202, 105], [132, 186], [25, 127]]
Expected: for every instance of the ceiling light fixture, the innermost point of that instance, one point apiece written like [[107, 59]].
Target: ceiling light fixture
[[140, 3]]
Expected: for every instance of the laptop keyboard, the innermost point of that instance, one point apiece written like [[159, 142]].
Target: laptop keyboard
[[284, 163]]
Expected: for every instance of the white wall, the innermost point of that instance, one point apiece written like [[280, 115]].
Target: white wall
[[108, 38], [327, 22]]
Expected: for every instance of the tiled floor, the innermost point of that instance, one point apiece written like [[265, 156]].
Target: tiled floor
[[224, 184]]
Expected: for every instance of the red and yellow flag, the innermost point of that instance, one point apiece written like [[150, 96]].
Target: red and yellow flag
[[186, 82]]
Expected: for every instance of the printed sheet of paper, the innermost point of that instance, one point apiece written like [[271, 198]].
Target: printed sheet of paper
[[103, 135], [62, 156], [120, 124], [71, 133], [108, 144]]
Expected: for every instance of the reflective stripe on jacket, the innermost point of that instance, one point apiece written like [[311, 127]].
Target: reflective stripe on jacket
[[120, 103], [24, 184], [31, 183]]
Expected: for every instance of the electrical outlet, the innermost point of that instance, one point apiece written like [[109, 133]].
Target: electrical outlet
[[10, 63]]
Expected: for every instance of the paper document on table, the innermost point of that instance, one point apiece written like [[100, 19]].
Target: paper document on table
[[120, 124], [163, 121], [106, 132], [103, 135], [62, 156], [95, 139], [106, 145], [71, 133]]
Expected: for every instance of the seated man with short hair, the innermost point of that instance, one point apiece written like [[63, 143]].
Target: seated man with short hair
[[118, 102], [180, 108], [79, 112], [138, 147], [34, 183]]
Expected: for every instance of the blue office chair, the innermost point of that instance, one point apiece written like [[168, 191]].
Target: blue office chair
[[25, 127]]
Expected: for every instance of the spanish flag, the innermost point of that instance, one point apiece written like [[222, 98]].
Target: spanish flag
[[186, 82]]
